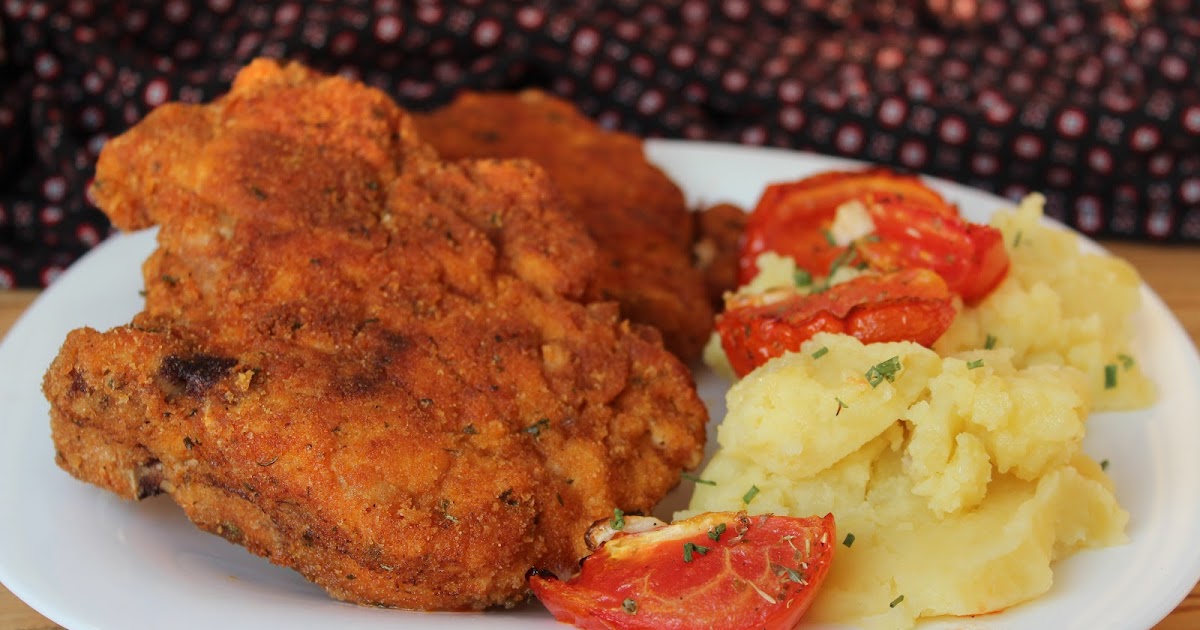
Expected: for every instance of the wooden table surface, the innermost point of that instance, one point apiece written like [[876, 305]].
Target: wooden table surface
[[1171, 272]]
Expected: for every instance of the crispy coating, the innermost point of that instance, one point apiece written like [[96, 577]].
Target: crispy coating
[[718, 230], [361, 362], [636, 214]]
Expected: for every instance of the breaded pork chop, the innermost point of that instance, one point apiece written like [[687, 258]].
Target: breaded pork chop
[[719, 229], [636, 214], [361, 362]]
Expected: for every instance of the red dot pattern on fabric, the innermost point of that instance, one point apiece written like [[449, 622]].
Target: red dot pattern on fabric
[[1095, 104]]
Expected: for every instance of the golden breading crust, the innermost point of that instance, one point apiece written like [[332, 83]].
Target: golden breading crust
[[718, 231], [636, 214], [361, 362]]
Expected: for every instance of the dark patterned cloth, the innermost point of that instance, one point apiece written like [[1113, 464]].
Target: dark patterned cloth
[[1096, 103]]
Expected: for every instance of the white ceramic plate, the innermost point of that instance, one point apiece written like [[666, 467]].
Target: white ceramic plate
[[86, 559]]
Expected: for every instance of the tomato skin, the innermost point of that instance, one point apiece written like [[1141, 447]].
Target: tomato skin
[[969, 257], [907, 305], [792, 218], [726, 587], [989, 262]]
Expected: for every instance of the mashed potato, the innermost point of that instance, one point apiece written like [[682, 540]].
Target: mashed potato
[[1060, 306], [960, 478], [960, 481]]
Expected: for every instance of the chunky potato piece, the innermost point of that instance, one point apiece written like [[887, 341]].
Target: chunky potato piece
[[992, 415], [828, 409]]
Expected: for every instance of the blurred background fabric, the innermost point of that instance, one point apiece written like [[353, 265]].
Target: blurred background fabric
[[1094, 102]]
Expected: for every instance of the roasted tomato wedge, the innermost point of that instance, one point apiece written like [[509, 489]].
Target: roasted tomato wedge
[[908, 305], [716, 570], [969, 257], [793, 219]]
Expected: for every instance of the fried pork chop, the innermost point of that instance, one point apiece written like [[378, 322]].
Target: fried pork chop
[[361, 362], [636, 214], [718, 231]]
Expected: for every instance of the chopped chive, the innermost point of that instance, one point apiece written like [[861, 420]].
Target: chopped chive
[[694, 478], [822, 351], [750, 494], [1104, 464], [802, 278], [977, 363], [1126, 361], [839, 262], [884, 370], [630, 605], [896, 602], [690, 547], [829, 237], [618, 519], [1110, 376], [849, 541], [715, 533], [989, 343]]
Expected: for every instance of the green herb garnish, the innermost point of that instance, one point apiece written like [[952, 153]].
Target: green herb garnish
[[1126, 361], [690, 547], [885, 370], [618, 519], [849, 541], [977, 363], [838, 263], [1110, 376], [446, 511], [715, 533], [791, 573], [802, 278], [822, 351], [896, 602], [1104, 464], [694, 478], [750, 494], [536, 428], [989, 343]]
